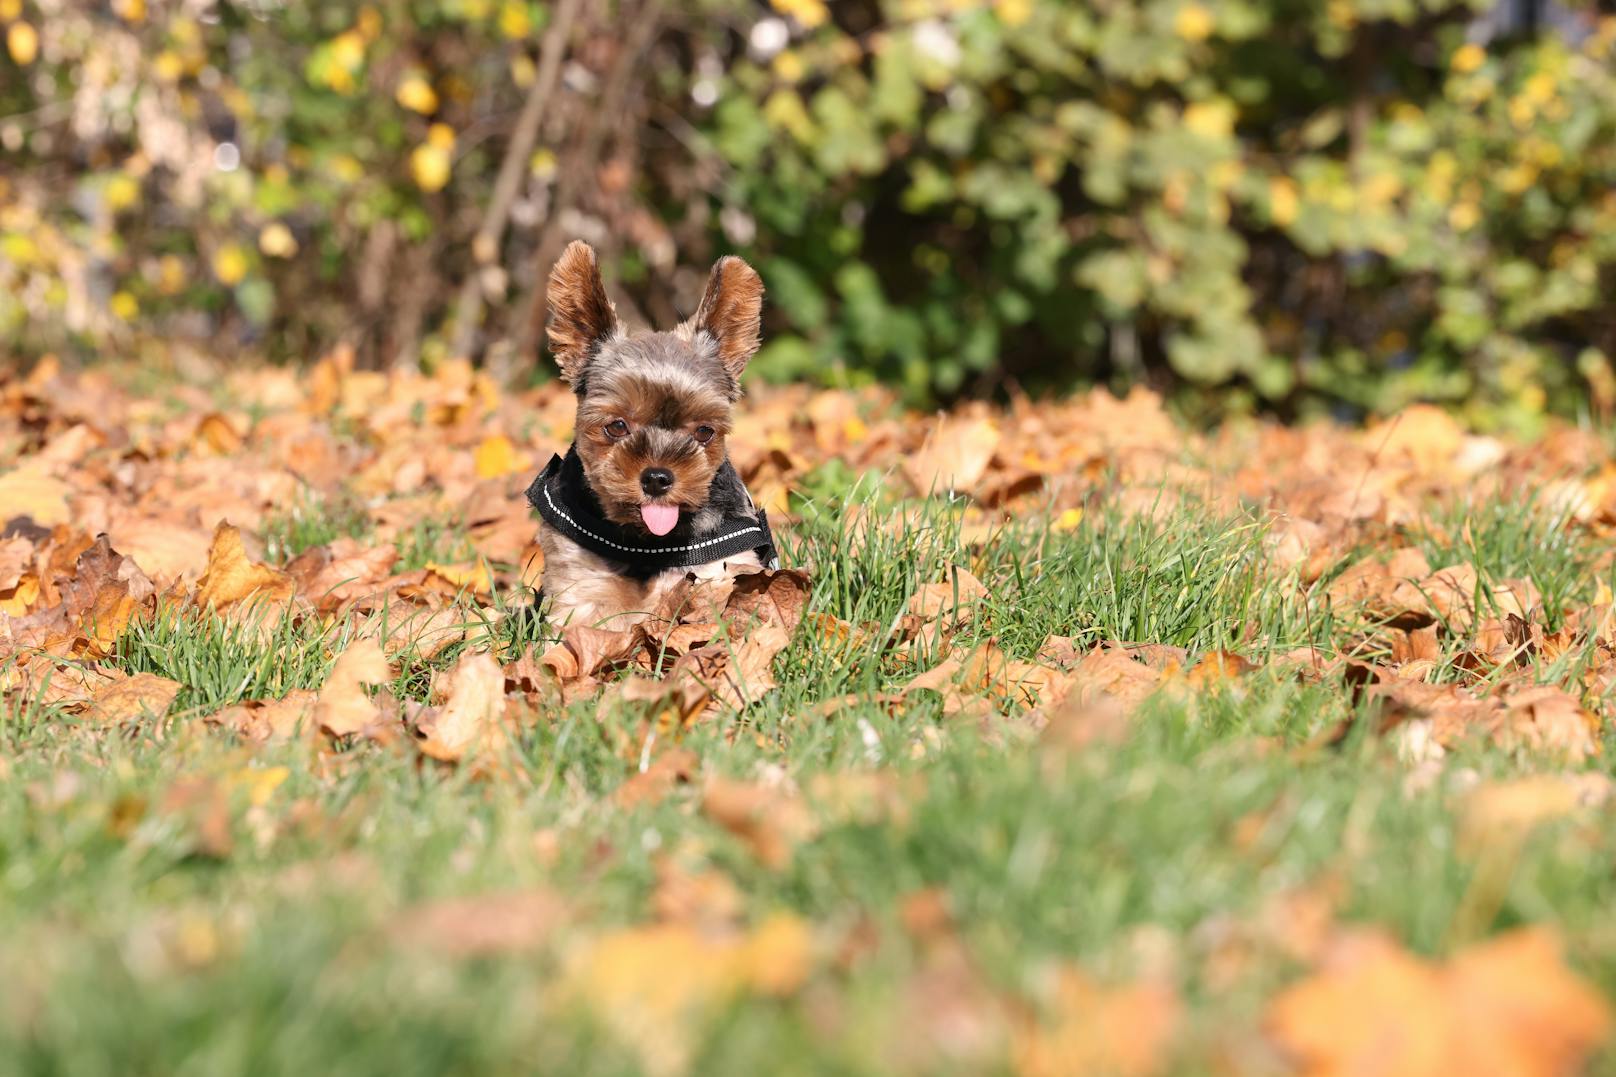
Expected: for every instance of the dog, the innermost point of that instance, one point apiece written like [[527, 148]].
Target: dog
[[645, 502]]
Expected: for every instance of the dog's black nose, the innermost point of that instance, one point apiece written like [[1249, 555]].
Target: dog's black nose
[[656, 481]]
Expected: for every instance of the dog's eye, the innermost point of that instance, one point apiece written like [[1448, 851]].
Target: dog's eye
[[617, 428], [704, 434]]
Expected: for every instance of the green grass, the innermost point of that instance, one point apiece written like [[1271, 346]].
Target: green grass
[[126, 950], [312, 522]]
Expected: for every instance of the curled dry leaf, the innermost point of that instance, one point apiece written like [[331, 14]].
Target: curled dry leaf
[[343, 707], [774, 596], [656, 781], [470, 720], [233, 578], [141, 696], [954, 457], [331, 577]]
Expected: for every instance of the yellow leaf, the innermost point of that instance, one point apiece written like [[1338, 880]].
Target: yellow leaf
[[431, 162], [259, 782], [810, 13], [125, 307], [130, 10], [1068, 520], [10, 9], [1211, 119], [31, 491], [789, 66], [232, 577], [416, 94], [230, 264], [471, 575], [343, 708], [276, 240], [1468, 59], [1013, 12], [22, 41], [469, 720], [514, 20], [121, 192], [1194, 22], [497, 456]]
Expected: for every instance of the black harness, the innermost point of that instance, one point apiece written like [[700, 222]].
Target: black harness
[[564, 500]]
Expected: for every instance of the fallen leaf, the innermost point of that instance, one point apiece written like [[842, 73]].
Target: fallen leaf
[[142, 695], [771, 821], [481, 925], [1126, 1031], [233, 579], [469, 721], [955, 456], [1505, 1005], [343, 708]]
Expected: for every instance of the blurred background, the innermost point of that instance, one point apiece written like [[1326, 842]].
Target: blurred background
[[1284, 206]]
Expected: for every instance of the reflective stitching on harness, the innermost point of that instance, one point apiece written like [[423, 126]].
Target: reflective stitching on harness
[[635, 549]]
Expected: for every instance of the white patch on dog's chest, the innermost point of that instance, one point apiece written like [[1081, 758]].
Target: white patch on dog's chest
[[584, 588]]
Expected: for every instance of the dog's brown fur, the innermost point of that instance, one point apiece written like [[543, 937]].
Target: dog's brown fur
[[669, 389]]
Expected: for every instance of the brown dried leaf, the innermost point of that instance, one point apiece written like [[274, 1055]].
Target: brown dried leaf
[[469, 722], [233, 578], [955, 456], [143, 695], [771, 820], [481, 925], [343, 707], [1506, 1005]]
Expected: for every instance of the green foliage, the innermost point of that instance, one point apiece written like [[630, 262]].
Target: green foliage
[[1294, 207]]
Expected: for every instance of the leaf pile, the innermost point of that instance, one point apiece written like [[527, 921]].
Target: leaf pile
[[287, 633]]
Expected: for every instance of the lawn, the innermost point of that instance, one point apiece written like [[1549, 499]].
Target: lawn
[[1073, 741]]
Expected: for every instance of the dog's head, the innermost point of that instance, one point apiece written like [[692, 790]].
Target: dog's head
[[654, 408]]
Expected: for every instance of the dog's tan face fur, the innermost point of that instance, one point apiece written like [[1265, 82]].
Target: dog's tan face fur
[[656, 400]]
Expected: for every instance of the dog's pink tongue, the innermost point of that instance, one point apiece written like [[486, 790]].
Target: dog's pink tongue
[[660, 518]]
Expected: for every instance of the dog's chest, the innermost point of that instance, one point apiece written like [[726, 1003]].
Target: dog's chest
[[584, 588]]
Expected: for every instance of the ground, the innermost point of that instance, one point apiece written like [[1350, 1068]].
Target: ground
[[1070, 741]]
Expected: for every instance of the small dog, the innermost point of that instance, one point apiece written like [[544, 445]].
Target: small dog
[[646, 500]]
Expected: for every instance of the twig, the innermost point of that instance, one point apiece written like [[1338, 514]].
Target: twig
[[485, 245], [647, 20]]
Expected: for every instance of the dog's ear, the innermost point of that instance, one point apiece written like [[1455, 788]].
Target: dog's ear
[[731, 312], [580, 314]]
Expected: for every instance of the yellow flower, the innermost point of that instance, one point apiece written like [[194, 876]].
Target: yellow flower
[[1467, 58], [1194, 22]]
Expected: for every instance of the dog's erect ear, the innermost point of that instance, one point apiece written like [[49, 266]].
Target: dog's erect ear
[[580, 314], [731, 312]]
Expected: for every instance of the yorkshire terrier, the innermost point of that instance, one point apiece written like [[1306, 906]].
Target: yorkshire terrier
[[646, 500]]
